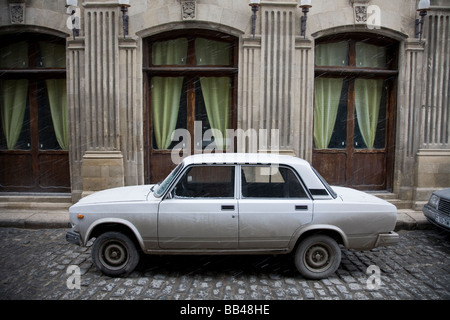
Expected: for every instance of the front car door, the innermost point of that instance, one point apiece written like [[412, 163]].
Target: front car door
[[273, 204], [201, 211]]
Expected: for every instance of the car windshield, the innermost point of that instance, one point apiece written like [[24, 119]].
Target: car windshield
[[161, 189]]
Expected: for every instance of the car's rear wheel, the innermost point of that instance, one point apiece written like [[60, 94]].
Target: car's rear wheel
[[115, 254], [318, 257]]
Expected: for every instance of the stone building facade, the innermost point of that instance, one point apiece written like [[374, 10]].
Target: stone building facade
[[358, 95]]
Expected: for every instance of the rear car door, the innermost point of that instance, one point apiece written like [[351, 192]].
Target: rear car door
[[273, 204]]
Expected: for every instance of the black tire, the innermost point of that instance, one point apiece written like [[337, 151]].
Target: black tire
[[115, 254], [317, 257]]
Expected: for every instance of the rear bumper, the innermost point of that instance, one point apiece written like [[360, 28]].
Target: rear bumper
[[387, 239], [73, 237]]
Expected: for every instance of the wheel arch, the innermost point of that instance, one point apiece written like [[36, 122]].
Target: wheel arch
[[332, 231], [117, 225]]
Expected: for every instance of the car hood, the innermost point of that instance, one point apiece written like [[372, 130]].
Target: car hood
[[121, 194], [356, 196]]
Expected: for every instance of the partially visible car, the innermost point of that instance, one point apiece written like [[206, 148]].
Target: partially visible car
[[437, 210]]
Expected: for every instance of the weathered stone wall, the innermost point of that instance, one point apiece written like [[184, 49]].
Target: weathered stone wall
[[275, 80]]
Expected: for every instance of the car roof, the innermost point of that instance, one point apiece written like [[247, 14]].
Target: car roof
[[244, 158]]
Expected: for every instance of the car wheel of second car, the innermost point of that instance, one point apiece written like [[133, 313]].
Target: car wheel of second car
[[115, 254], [318, 257]]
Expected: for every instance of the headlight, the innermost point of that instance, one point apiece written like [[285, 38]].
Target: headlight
[[434, 201]]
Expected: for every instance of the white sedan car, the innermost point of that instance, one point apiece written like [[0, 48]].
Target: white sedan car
[[233, 204]]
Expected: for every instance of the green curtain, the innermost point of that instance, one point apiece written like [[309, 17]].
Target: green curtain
[[166, 94], [367, 104], [54, 55], [211, 52], [368, 92], [14, 95], [57, 97], [216, 93], [327, 93], [170, 52], [166, 91], [14, 55], [332, 54], [369, 55], [215, 90]]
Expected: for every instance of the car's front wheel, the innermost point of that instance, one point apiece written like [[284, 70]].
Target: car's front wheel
[[318, 257], [115, 254]]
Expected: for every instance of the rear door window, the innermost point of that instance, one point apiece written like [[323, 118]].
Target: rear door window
[[270, 182]]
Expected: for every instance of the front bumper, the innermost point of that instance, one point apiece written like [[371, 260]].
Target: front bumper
[[73, 237], [387, 239], [437, 218]]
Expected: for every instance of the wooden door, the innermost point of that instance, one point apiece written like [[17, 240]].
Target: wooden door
[[348, 161], [32, 105], [36, 163], [358, 148]]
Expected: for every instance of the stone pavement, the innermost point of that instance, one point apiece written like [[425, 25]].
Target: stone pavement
[[40, 264]]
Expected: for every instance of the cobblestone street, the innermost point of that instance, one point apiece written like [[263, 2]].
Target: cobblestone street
[[38, 264]]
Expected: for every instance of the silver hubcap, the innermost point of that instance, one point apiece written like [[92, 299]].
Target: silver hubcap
[[113, 255], [317, 258]]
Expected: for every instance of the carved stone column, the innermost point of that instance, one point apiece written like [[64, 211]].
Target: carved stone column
[[105, 102], [303, 112], [433, 154], [277, 77], [409, 101], [277, 73], [131, 110], [250, 97], [76, 111]]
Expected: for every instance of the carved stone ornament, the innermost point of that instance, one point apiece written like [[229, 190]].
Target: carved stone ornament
[[17, 13], [360, 13], [188, 9]]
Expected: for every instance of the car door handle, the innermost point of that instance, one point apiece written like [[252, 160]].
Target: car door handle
[[227, 207], [301, 207]]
